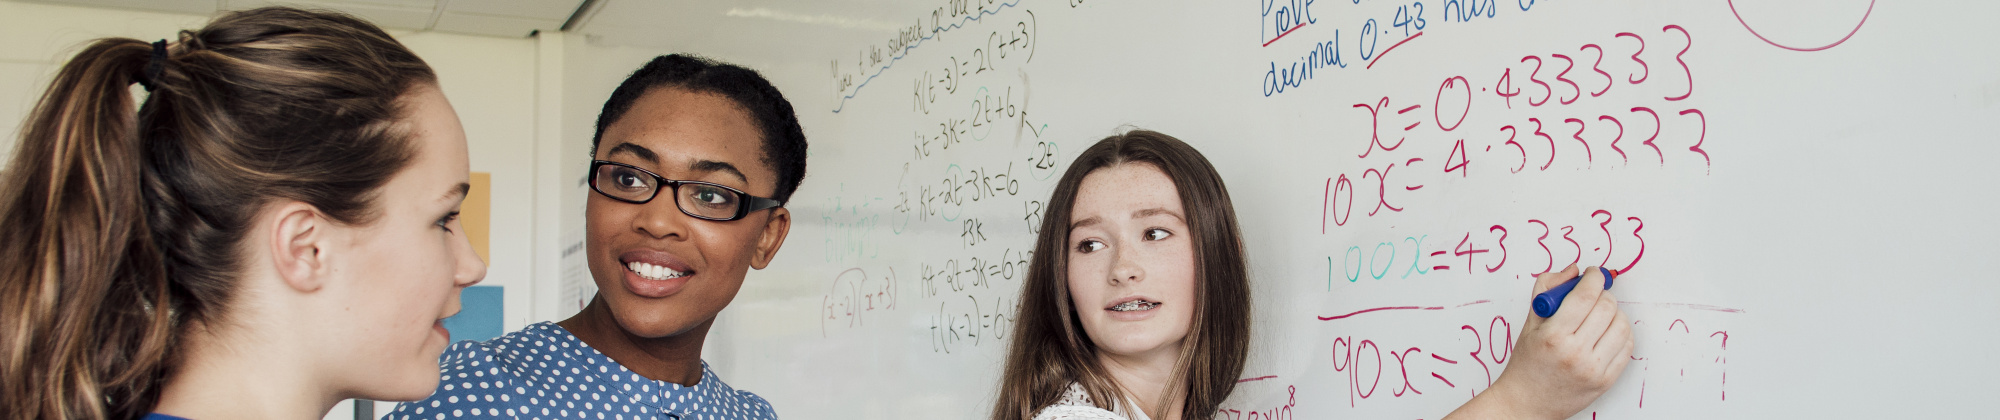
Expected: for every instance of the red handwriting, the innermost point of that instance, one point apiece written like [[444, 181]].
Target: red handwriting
[[1282, 35], [1683, 62], [1283, 412], [1375, 127], [1843, 39], [1385, 53], [1702, 139], [1694, 306], [853, 295], [1437, 103], [1543, 80], [1690, 362], [1390, 308], [1366, 368], [1572, 102], [1703, 351]]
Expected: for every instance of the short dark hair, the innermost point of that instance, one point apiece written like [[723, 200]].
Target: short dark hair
[[784, 140]]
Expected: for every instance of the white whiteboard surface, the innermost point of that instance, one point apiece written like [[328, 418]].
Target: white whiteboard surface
[[1818, 240]]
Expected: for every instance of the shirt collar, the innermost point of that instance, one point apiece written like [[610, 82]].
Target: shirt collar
[[663, 395]]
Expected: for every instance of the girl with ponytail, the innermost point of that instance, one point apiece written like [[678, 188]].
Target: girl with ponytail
[[267, 228]]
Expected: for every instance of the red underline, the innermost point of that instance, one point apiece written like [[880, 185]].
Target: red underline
[[1256, 378], [1289, 32], [1694, 306], [1371, 63], [1363, 311]]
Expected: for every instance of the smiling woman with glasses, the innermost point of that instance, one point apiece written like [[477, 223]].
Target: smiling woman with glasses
[[704, 200], [726, 147]]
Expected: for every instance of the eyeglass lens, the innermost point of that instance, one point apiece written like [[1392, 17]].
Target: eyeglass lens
[[694, 198]]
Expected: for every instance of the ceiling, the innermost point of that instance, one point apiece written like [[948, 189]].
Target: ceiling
[[744, 25], [673, 24], [501, 18]]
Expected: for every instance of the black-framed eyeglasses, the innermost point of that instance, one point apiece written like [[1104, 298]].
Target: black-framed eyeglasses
[[703, 200]]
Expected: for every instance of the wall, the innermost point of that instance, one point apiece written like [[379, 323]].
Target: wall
[[39, 37]]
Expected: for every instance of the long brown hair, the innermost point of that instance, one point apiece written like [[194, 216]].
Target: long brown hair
[[1050, 349], [120, 228]]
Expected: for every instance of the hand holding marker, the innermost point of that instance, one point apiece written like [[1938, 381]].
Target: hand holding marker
[[1547, 302]]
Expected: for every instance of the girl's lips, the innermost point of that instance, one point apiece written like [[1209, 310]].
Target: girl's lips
[[1130, 316], [1129, 299], [450, 311], [1135, 305]]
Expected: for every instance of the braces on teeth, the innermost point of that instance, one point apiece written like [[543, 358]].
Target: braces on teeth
[[1137, 305]]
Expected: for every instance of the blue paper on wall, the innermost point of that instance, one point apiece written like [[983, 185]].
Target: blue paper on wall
[[479, 316]]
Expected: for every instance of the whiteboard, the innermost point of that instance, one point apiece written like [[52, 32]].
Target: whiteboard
[[1802, 192]]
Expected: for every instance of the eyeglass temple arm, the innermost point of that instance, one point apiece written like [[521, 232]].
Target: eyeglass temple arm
[[756, 203]]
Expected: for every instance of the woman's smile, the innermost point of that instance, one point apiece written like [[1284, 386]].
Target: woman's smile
[[654, 274]]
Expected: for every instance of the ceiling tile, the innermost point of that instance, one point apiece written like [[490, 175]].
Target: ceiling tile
[[414, 15], [501, 18], [501, 26], [733, 25], [191, 7], [537, 9], [416, 4]]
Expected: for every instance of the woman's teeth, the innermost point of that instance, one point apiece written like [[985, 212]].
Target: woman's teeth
[[1137, 305], [653, 272]]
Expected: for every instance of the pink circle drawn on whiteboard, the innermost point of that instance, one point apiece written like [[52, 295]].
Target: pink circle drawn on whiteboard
[[1850, 34]]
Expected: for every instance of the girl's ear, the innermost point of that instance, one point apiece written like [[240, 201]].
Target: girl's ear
[[299, 234]]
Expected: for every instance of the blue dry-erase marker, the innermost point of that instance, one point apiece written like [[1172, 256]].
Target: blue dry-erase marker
[[1547, 302]]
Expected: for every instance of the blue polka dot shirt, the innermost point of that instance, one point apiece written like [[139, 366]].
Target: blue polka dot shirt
[[544, 372]]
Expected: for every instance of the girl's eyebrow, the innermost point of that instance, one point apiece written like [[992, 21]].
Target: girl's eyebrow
[[1085, 222], [457, 192], [1141, 214]]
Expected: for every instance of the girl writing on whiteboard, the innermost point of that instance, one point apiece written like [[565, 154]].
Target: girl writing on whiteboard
[[271, 229], [1137, 304]]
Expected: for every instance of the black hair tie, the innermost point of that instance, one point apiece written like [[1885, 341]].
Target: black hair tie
[[154, 65]]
